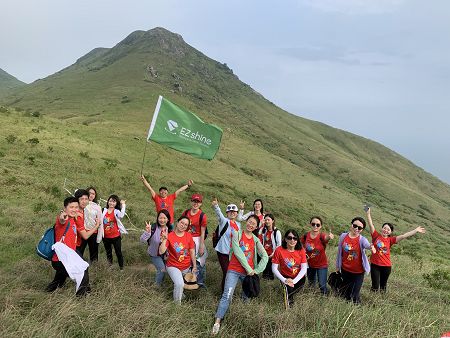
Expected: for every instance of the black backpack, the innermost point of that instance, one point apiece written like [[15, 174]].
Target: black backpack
[[200, 221], [274, 234], [217, 236]]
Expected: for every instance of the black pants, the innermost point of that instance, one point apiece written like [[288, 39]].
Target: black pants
[[289, 292], [379, 275], [93, 248], [267, 273], [224, 260], [61, 276], [117, 243], [351, 285]]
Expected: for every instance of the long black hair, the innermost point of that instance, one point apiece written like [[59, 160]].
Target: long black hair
[[165, 212], [95, 200], [298, 246], [262, 205], [117, 199]]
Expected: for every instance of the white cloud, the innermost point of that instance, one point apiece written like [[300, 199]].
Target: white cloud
[[354, 7]]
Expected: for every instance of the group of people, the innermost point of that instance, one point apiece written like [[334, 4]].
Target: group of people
[[246, 245]]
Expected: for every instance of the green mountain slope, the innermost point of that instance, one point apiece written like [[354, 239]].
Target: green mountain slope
[[8, 82], [305, 166]]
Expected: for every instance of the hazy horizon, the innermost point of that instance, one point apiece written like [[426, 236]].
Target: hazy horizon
[[380, 70]]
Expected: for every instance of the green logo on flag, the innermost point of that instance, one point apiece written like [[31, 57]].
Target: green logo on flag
[[182, 130]]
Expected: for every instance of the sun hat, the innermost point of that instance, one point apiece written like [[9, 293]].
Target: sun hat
[[231, 207], [190, 281]]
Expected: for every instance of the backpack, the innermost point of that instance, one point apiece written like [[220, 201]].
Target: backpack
[[153, 229], [200, 221], [217, 236], [44, 247], [274, 234]]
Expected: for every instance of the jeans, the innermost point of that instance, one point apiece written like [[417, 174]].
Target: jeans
[[231, 280], [178, 282], [379, 276], [322, 275], [93, 248], [201, 275], [160, 266], [351, 285], [117, 243]]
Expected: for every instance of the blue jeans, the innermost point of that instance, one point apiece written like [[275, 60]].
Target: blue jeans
[[201, 274], [322, 275], [231, 280], [158, 262]]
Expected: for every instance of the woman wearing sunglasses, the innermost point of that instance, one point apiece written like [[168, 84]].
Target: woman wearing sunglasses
[[352, 261], [380, 262], [315, 243], [289, 266]]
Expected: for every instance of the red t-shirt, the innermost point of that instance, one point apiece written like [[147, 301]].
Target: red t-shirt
[[383, 246], [110, 225], [178, 249], [195, 227], [165, 203], [351, 255], [315, 251], [79, 221], [289, 263], [70, 238], [247, 246], [267, 240]]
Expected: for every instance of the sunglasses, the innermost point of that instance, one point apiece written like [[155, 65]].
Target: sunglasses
[[317, 225], [196, 201], [355, 226], [291, 238]]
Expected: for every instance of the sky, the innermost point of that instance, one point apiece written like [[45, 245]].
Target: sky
[[377, 68]]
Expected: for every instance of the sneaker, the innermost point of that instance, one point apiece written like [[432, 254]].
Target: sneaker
[[215, 329]]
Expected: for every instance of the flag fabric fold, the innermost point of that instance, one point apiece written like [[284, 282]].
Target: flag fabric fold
[[74, 264], [182, 130]]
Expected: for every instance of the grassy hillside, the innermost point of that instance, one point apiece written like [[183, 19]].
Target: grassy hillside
[[8, 82], [88, 123]]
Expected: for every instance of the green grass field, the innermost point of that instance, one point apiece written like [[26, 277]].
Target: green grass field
[[88, 124]]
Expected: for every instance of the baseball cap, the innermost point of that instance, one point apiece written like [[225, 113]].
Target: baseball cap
[[231, 207], [197, 197]]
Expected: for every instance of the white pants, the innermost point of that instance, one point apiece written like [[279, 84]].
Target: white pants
[[178, 282]]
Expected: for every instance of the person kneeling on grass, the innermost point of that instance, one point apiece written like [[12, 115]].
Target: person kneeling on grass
[[289, 266], [380, 261], [66, 232], [181, 253], [244, 248]]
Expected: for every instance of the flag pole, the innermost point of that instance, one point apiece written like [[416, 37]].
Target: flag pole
[[143, 158]]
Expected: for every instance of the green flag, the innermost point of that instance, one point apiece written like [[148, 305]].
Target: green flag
[[182, 130]]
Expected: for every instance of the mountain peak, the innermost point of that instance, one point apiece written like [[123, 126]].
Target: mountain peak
[[7, 81]]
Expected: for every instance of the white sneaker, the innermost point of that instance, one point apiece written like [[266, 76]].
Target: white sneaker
[[215, 329]]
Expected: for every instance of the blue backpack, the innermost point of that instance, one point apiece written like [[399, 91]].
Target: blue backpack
[[44, 247]]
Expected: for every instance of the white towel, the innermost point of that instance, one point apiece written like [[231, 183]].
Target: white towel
[[74, 264], [201, 259]]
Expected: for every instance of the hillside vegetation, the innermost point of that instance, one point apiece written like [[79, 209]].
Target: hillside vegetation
[[88, 123], [8, 82]]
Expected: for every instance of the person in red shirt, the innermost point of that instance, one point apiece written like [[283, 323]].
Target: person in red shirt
[[351, 260], [258, 210], [244, 249], [270, 238], [113, 228], [66, 232], [289, 266], [163, 200], [180, 248], [315, 243], [83, 235], [197, 228], [380, 261]]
